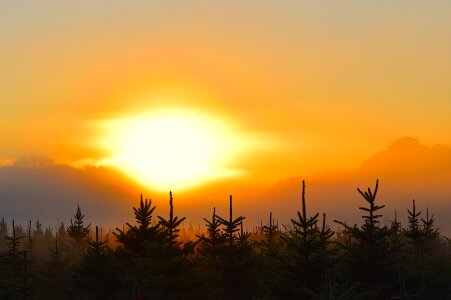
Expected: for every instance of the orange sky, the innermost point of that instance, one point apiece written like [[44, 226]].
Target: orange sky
[[309, 86]]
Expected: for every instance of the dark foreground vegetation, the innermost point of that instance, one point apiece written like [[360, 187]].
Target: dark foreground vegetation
[[304, 259]]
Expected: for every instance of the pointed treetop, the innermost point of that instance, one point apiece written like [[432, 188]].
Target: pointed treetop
[[368, 195], [304, 208]]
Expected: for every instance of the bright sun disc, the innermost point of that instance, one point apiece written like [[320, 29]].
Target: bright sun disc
[[171, 149]]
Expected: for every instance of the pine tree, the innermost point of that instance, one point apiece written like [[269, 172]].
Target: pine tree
[[170, 272], [77, 229], [30, 240], [61, 231], [28, 289], [325, 234], [236, 256], [54, 271], [428, 272], [11, 276], [429, 231], [413, 230], [213, 237], [38, 229], [306, 228], [271, 232], [243, 236], [136, 239], [96, 276], [269, 259], [370, 258], [211, 247], [307, 254], [396, 230], [136, 244], [40, 244], [96, 247], [415, 238], [170, 227], [3, 234], [14, 253], [231, 226]]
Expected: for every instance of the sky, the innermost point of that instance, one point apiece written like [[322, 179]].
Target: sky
[[302, 86]]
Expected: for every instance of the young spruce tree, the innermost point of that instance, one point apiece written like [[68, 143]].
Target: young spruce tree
[[77, 230], [370, 258], [307, 254], [236, 259]]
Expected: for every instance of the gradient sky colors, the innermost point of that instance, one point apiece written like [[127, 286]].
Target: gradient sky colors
[[310, 86]]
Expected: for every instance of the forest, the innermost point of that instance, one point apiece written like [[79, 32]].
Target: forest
[[304, 259]]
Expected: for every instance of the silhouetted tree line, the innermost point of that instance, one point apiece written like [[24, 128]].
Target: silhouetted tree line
[[304, 259]]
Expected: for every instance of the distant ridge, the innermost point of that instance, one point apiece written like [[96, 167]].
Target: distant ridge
[[51, 192], [407, 169], [408, 156]]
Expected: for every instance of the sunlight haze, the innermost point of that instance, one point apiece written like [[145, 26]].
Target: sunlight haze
[[229, 98], [169, 149]]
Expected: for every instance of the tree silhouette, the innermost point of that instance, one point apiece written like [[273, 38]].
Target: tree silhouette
[[77, 229], [370, 258], [306, 257], [413, 230], [3, 234], [269, 259], [14, 277], [235, 256], [270, 231], [170, 268], [96, 276], [14, 255], [54, 272], [170, 227], [213, 237], [136, 243], [135, 239], [231, 226]]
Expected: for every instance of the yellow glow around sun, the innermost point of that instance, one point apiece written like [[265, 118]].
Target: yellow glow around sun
[[171, 149]]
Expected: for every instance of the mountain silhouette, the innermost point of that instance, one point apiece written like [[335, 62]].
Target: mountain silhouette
[[406, 169], [408, 156]]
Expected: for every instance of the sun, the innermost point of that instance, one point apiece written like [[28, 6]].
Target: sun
[[171, 149]]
